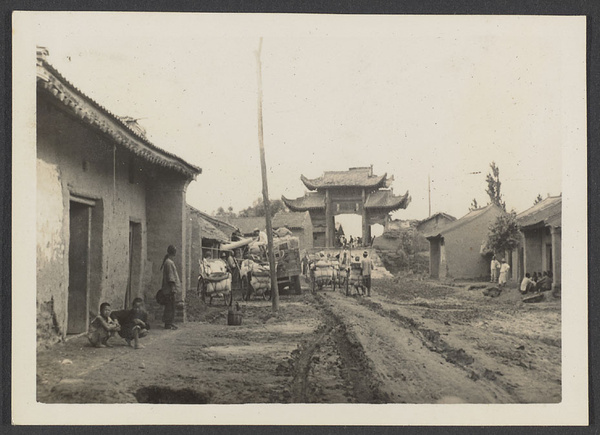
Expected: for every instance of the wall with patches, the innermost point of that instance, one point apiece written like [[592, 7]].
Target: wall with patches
[[77, 163]]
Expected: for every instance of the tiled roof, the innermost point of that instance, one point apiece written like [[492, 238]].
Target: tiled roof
[[247, 225], [207, 229], [433, 216], [387, 200], [379, 199], [354, 177], [291, 220], [311, 200], [547, 212], [468, 218], [52, 83]]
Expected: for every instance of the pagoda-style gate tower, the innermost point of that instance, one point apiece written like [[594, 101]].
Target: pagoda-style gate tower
[[356, 191]]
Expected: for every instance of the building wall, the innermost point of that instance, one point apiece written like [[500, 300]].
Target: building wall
[[167, 225], [195, 250], [534, 250], [74, 160], [308, 232], [463, 245]]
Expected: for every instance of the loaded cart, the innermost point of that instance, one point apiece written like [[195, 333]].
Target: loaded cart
[[322, 274], [214, 281], [254, 270]]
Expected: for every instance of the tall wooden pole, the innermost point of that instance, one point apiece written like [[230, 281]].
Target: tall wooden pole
[[429, 189], [265, 191]]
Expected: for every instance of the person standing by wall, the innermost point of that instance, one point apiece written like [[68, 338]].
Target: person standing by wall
[[170, 285], [494, 269], [504, 268]]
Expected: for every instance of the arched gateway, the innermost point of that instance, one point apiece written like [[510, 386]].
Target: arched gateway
[[356, 191]]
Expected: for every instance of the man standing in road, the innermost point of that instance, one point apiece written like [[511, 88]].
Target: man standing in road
[[366, 265]]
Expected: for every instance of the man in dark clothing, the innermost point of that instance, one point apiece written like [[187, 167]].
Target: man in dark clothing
[[134, 323], [366, 265], [170, 285]]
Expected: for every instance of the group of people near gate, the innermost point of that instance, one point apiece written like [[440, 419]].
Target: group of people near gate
[[537, 282], [132, 324], [346, 262]]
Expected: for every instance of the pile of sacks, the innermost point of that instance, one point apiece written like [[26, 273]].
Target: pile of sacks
[[324, 269]]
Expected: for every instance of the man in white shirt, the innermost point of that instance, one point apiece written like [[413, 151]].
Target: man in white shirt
[[494, 267], [504, 268], [527, 285]]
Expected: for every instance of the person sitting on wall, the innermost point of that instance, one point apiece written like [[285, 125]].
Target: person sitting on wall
[[544, 283], [527, 285], [134, 323], [102, 327]]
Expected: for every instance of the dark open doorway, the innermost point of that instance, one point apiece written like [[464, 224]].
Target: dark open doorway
[[79, 266]]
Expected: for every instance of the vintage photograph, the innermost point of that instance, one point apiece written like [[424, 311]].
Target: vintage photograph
[[302, 210]]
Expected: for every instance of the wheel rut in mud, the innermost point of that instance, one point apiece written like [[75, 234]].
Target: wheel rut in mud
[[432, 340], [351, 363]]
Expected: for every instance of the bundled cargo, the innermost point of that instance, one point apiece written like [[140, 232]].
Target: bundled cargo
[[214, 280]]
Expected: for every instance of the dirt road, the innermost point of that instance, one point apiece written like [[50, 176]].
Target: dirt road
[[412, 342]]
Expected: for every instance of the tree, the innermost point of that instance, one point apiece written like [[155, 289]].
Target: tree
[[222, 213], [257, 209], [538, 199], [494, 184], [474, 205], [503, 234]]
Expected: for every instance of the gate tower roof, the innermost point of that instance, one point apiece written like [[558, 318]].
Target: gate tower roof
[[381, 199], [354, 177]]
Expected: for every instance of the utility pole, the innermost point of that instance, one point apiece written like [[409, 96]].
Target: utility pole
[[429, 189], [265, 191]]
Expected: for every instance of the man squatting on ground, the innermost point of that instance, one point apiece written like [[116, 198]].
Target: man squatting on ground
[[170, 283], [102, 327], [134, 323], [527, 285]]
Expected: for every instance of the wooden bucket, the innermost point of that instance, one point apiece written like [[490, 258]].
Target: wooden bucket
[[234, 318]]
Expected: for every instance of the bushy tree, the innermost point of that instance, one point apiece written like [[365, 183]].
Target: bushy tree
[[257, 209], [222, 213], [503, 234], [494, 185]]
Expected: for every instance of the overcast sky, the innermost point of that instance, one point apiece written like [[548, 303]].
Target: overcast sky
[[413, 96]]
